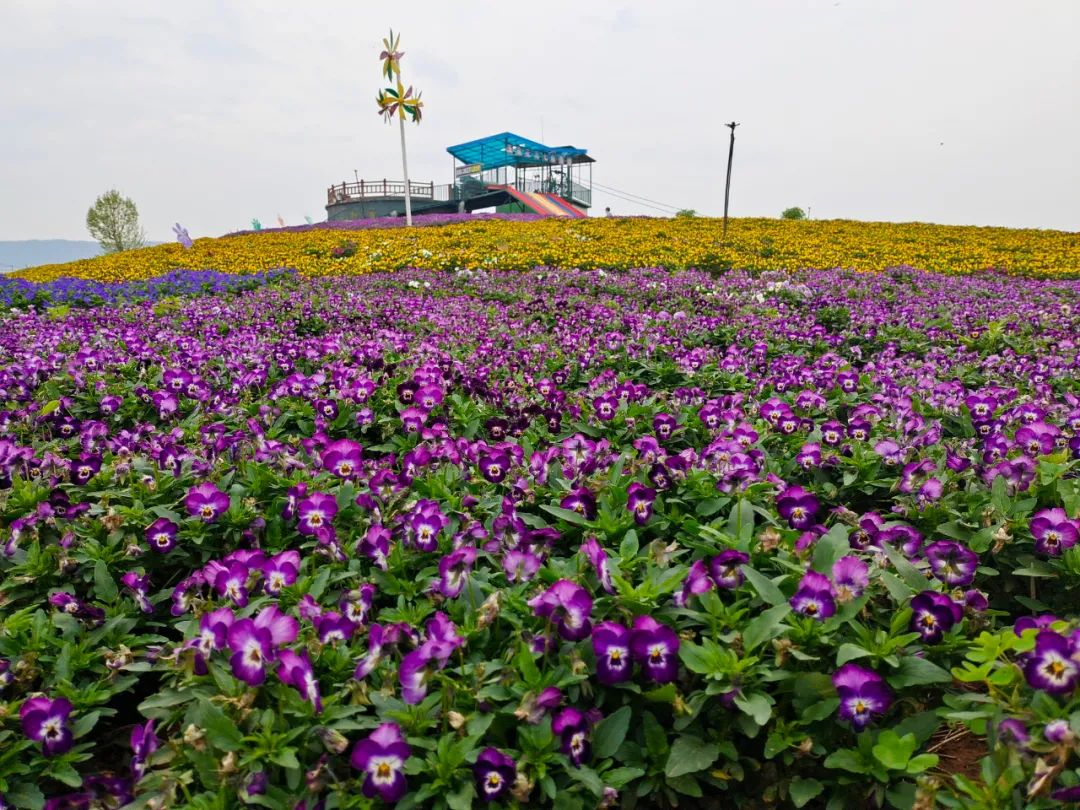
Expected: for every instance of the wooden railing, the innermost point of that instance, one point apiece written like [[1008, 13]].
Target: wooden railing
[[368, 189]]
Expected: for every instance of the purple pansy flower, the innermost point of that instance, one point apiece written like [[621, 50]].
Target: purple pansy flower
[[850, 576], [371, 659], [206, 502], [213, 635], [381, 756], [315, 512], [252, 648], [639, 500], [280, 571], [798, 507], [144, 743], [726, 568], [581, 501], [296, 671], [655, 648], [814, 597], [161, 535], [520, 565], [46, 721], [951, 562], [495, 773], [597, 556], [573, 729], [611, 645], [342, 458], [933, 615], [1053, 531], [862, 693], [454, 571], [568, 606], [1052, 665], [697, 582]]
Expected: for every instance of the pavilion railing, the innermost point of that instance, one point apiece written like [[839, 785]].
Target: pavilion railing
[[369, 189]]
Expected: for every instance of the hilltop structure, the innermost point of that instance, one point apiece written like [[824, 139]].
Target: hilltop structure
[[505, 171]]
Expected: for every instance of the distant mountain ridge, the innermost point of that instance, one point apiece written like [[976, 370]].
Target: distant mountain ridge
[[18, 254]]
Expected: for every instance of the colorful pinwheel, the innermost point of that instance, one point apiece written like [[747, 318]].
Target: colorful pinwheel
[[399, 101]]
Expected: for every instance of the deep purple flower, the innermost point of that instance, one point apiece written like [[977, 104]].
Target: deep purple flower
[[639, 500], [281, 571], [332, 627], [798, 507], [951, 562], [1052, 666], [161, 535], [814, 597], [417, 667], [494, 466], [206, 502], [85, 467], [296, 671], [252, 648], [597, 556], [1041, 622], [213, 635], [367, 664], [611, 645], [850, 576], [933, 615], [1053, 531], [581, 501], [231, 581], [726, 568], [520, 565], [315, 512], [573, 729], [495, 773], [862, 693], [696, 583], [144, 743], [655, 648], [139, 586], [454, 571], [534, 706], [426, 523], [46, 721], [381, 756], [342, 458], [568, 606]]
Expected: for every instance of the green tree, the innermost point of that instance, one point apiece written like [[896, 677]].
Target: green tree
[[686, 213], [793, 213], [114, 221]]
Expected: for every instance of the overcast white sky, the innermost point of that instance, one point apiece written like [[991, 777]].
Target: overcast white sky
[[213, 112]]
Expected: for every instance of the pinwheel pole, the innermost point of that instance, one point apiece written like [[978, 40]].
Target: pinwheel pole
[[399, 101]]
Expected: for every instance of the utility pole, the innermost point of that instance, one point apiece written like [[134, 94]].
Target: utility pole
[[727, 185]]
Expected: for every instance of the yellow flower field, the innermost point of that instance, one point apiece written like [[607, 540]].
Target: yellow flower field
[[604, 243]]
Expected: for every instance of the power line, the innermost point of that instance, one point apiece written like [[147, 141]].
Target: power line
[[636, 196], [638, 202]]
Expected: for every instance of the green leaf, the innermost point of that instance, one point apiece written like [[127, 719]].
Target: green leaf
[[655, 736], [765, 627], [922, 762], [588, 777], [915, 579], [803, 790], [831, 548], [220, 730], [610, 733], [690, 754], [898, 590], [569, 515], [849, 652], [104, 585], [686, 785], [755, 705], [619, 777], [847, 760], [914, 671], [462, 798], [700, 658], [894, 751], [25, 794], [765, 587]]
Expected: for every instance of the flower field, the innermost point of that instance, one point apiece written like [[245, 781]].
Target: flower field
[[521, 242], [567, 538]]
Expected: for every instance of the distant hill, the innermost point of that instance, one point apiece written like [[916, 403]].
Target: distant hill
[[32, 252]]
